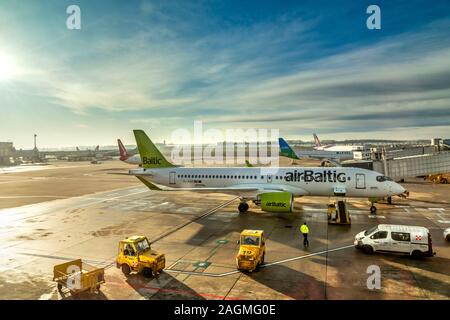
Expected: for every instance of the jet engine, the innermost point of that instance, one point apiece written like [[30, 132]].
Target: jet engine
[[276, 201]]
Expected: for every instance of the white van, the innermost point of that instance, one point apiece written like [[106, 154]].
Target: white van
[[447, 234], [412, 240]]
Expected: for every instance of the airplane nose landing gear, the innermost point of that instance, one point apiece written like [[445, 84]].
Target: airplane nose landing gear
[[373, 209]]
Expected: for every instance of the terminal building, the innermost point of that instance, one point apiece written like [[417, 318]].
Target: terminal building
[[6, 153]]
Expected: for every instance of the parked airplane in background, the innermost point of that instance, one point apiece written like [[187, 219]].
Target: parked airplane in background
[[88, 151], [319, 146], [273, 192], [330, 155], [127, 158], [84, 155]]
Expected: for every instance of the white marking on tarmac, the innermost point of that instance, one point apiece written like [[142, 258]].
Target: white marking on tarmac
[[208, 274], [11, 212], [444, 221], [124, 195], [18, 197], [306, 256]]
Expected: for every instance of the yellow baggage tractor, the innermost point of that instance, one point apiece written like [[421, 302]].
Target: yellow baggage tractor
[[251, 251], [78, 276], [136, 254]]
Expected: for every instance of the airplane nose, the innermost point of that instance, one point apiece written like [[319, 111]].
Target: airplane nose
[[397, 189]]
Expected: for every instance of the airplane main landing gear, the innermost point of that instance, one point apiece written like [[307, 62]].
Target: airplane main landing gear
[[373, 209], [243, 207]]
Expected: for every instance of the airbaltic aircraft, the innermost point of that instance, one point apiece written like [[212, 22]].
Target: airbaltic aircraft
[[273, 192]]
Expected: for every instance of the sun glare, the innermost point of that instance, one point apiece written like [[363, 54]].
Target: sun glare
[[8, 67]]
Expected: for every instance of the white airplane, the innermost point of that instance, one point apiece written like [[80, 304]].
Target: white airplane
[[319, 146], [332, 156], [273, 192], [127, 158]]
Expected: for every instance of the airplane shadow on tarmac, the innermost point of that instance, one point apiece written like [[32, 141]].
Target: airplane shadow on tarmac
[[164, 287], [220, 227], [400, 276], [292, 283], [83, 296]]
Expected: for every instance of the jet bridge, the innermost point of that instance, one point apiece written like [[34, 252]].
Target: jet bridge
[[415, 166], [408, 166]]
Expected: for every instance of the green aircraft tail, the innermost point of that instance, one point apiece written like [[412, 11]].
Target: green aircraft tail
[[286, 150], [151, 157]]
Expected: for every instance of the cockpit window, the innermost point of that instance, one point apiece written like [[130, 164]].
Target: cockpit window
[[383, 178]]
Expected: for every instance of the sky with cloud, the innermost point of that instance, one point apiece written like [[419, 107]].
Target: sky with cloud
[[297, 66]]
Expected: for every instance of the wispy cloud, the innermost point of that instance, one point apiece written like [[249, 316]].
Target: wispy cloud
[[275, 73]]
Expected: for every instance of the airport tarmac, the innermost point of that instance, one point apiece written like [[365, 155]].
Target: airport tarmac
[[200, 252], [30, 184]]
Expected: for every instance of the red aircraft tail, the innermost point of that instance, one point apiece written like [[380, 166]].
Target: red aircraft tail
[[122, 151]]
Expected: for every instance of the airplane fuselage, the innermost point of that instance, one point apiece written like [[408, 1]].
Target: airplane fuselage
[[134, 159], [326, 154], [300, 181]]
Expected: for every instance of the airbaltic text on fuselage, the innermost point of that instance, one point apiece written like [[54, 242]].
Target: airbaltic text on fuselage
[[151, 160], [316, 176], [276, 204]]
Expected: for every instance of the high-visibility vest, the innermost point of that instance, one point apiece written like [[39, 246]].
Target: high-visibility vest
[[304, 228]]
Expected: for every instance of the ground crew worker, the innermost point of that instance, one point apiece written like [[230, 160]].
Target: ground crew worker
[[305, 230]]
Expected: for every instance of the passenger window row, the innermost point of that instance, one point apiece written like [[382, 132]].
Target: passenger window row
[[203, 176]]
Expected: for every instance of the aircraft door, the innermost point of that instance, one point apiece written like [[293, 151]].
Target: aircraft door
[[269, 178], [360, 181], [172, 178]]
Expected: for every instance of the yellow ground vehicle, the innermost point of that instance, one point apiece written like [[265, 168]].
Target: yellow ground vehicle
[[78, 276], [439, 178], [136, 255], [252, 250], [338, 213]]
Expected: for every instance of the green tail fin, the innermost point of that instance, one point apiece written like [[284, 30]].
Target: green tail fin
[[286, 150], [150, 155]]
